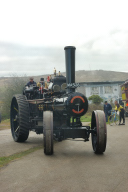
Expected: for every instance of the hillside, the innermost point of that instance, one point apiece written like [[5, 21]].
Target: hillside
[[82, 76], [100, 76]]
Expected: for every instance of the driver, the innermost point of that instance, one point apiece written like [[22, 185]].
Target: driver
[[31, 82]]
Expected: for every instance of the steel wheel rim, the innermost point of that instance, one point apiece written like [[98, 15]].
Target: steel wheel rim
[[99, 134]]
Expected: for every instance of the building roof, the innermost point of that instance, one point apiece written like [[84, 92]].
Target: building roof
[[101, 83]]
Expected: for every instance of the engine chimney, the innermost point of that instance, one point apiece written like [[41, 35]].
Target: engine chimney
[[70, 66]]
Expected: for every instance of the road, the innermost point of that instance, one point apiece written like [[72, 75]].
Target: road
[[73, 167]]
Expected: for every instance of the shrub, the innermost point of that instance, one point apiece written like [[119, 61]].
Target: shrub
[[96, 99]]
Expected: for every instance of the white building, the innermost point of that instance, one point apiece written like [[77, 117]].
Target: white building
[[109, 91]]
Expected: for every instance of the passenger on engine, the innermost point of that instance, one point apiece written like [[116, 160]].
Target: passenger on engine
[[41, 85], [59, 73], [50, 78], [31, 82], [46, 85], [42, 81], [54, 71]]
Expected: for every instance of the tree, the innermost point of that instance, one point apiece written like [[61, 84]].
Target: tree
[[14, 86], [96, 99]]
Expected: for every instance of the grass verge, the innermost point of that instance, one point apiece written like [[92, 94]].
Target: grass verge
[[85, 118], [5, 124], [5, 160], [6, 121]]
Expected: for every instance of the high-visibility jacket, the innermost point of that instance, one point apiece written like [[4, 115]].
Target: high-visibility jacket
[[120, 108]]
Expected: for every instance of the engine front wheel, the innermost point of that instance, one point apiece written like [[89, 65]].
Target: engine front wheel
[[48, 132], [99, 135]]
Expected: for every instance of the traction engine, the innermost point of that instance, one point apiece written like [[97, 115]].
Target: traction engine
[[56, 112]]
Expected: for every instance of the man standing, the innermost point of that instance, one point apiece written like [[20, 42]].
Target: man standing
[[121, 110], [31, 82], [107, 110]]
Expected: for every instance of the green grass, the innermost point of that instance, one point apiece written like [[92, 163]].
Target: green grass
[[6, 121], [5, 160], [85, 118]]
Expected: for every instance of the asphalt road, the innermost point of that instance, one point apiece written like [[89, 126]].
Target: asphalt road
[[73, 167]]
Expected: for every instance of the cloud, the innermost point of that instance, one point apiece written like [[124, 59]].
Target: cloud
[[23, 59], [106, 52]]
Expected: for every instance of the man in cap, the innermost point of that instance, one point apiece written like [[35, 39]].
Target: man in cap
[[31, 82], [107, 110]]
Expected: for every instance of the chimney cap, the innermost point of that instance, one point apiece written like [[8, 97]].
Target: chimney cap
[[69, 47]]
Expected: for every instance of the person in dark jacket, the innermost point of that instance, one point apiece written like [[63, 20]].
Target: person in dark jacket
[[31, 82], [107, 110]]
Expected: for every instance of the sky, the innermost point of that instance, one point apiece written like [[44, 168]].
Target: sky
[[33, 34]]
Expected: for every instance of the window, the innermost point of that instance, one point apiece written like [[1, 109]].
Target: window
[[94, 90], [108, 89], [101, 90]]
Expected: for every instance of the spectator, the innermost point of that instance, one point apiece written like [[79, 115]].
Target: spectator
[[31, 82], [107, 110], [119, 108]]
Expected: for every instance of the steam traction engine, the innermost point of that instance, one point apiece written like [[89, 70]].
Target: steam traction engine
[[56, 112]]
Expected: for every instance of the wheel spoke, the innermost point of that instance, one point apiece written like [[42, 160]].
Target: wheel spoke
[[17, 129], [16, 109]]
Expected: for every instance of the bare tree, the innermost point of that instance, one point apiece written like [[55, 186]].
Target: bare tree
[[14, 86]]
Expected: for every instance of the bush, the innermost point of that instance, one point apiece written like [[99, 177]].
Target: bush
[[14, 86], [96, 99]]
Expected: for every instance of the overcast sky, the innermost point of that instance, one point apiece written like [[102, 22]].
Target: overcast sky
[[33, 34]]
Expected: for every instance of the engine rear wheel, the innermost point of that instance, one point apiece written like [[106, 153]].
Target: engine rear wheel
[[48, 132], [99, 136], [19, 118]]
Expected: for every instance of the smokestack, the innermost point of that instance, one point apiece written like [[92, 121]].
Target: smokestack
[[70, 65]]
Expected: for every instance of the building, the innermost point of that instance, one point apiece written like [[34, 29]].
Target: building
[[109, 91]]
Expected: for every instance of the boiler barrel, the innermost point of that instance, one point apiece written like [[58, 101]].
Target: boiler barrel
[[70, 65]]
